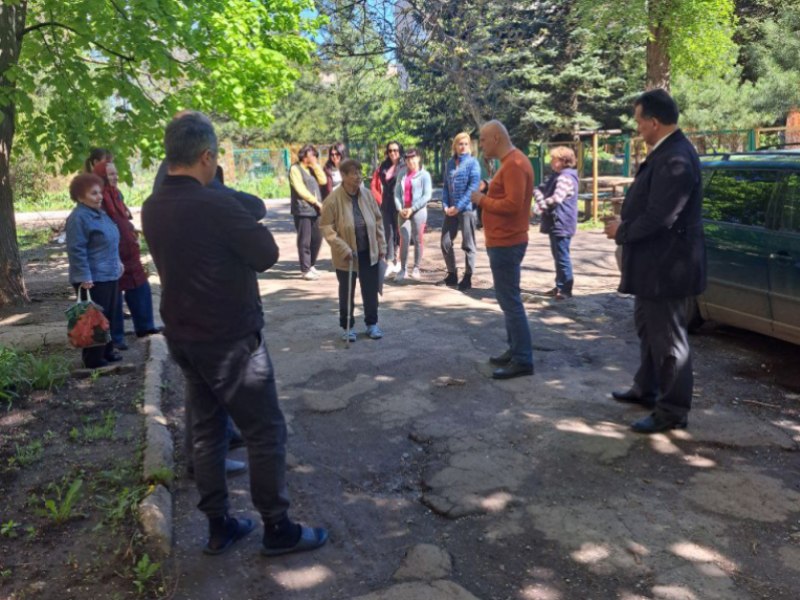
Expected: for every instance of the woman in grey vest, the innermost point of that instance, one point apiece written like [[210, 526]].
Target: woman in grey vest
[[307, 180]]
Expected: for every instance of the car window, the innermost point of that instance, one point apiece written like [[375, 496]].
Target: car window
[[790, 217], [740, 196]]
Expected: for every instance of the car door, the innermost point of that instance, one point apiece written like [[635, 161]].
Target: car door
[[735, 207], [784, 265]]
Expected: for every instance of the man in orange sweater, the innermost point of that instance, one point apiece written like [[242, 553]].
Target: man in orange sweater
[[506, 206]]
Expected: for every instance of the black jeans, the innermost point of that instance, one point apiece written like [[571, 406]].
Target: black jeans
[[105, 294], [309, 240], [390, 230], [235, 378], [368, 280]]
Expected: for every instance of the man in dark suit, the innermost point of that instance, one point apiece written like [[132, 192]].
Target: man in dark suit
[[663, 262]]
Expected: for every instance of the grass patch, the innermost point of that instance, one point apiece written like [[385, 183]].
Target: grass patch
[[94, 429], [27, 454], [21, 372], [30, 239]]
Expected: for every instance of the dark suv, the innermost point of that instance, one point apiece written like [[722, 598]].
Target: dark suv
[[751, 212]]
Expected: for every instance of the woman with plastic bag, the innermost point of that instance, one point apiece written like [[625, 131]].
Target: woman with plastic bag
[[93, 251]]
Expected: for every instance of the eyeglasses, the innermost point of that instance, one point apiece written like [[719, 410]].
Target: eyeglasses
[[394, 150], [335, 154]]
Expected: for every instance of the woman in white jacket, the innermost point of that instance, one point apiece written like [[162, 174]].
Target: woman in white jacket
[[351, 224]]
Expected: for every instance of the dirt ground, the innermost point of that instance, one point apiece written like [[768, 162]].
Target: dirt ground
[[437, 482]]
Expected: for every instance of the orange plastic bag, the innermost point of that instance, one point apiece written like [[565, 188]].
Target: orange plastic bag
[[87, 326]]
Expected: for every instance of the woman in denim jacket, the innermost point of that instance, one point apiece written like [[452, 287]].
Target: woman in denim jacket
[[462, 177], [93, 251], [411, 196]]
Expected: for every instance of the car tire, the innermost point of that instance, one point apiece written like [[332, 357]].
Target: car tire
[[694, 320]]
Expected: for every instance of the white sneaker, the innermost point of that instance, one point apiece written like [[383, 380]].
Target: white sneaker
[[313, 270], [401, 275], [310, 276], [396, 268], [415, 274]]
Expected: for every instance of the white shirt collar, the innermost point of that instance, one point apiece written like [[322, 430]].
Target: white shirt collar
[[659, 142]]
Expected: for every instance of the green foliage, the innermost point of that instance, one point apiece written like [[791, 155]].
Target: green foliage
[[26, 455], [8, 529], [30, 239], [111, 74], [776, 58], [94, 429], [716, 101], [163, 476], [698, 34], [21, 372], [60, 508], [264, 187], [143, 571]]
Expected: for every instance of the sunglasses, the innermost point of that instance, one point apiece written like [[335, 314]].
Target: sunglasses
[[335, 154], [394, 150]]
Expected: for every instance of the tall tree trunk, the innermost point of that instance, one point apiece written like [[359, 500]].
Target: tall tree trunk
[[658, 66], [12, 286]]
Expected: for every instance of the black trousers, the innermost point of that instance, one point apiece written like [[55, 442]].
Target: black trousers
[[367, 276], [235, 378], [309, 240], [390, 230], [665, 368], [106, 294]]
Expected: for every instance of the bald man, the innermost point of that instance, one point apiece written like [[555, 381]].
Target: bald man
[[506, 208]]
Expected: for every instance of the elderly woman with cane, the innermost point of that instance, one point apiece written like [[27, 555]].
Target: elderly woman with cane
[[351, 224]]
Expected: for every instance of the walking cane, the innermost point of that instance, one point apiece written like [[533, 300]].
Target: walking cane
[[349, 301]]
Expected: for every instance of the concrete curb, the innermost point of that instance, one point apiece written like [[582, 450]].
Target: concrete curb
[[155, 511]]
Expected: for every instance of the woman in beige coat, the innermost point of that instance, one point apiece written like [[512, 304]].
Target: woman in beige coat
[[351, 224]]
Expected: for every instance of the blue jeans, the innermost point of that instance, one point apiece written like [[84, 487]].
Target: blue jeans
[[505, 264], [140, 303], [559, 246]]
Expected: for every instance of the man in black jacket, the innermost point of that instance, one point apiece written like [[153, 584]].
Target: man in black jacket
[[663, 262], [207, 250]]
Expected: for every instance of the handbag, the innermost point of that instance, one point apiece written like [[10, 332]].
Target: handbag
[[87, 326]]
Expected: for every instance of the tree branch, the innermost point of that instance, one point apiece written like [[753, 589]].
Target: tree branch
[[76, 32]]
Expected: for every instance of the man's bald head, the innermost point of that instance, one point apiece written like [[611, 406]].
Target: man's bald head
[[494, 139]]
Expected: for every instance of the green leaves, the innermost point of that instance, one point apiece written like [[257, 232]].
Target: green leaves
[[111, 74]]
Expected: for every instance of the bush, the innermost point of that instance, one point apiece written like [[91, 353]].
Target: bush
[[263, 187]]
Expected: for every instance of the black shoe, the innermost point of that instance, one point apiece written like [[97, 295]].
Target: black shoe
[[551, 293], [658, 422], [450, 281], [562, 295], [141, 334], [113, 357], [466, 283], [512, 369], [96, 365], [502, 360], [224, 532], [632, 397], [286, 537], [121, 346]]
